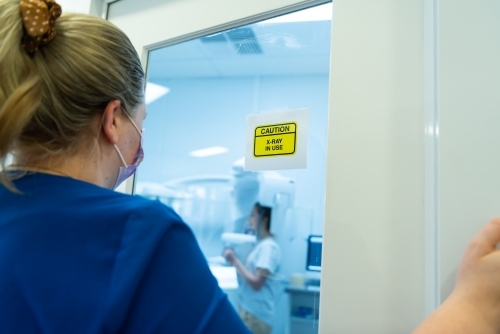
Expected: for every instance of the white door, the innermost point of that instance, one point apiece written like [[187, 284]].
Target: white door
[[378, 208]]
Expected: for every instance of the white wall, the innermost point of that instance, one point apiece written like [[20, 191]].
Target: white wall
[[92, 7], [469, 107], [373, 252], [75, 6]]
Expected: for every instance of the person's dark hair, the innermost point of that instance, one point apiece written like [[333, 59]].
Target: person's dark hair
[[264, 212]]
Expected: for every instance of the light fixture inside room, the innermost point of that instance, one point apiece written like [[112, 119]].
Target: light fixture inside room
[[209, 151], [317, 13], [154, 92]]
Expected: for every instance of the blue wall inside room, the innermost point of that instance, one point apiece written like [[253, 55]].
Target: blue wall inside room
[[203, 112]]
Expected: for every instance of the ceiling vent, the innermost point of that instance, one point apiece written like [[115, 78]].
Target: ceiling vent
[[244, 41], [215, 38], [217, 45]]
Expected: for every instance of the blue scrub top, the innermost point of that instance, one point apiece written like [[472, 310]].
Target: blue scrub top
[[77, 258]]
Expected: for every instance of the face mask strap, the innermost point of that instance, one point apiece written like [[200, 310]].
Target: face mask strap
[[140, 134], [133, 123], [120, 155]]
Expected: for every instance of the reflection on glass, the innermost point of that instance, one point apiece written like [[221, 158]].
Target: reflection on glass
[[199, 94]]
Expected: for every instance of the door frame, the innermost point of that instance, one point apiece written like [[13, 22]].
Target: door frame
[[430, 225]]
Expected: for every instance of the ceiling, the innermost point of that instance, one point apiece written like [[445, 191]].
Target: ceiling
[[271, 48]]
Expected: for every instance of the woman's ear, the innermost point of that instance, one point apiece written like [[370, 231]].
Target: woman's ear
[[111, 121]]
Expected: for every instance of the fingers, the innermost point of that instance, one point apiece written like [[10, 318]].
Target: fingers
[[228, 254], [485, 241]]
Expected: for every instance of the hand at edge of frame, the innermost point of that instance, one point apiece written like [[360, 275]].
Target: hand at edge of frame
[[474, 304]]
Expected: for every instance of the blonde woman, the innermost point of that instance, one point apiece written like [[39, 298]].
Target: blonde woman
[[75, 256]]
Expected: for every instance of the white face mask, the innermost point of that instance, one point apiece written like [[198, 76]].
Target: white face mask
[[127, 170]]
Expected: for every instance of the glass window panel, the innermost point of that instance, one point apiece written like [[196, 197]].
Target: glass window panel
[[198, 96]]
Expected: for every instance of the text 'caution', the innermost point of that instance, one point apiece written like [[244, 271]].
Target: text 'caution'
[[276, 139]]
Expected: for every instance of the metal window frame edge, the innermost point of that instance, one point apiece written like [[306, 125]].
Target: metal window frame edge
[[432, 290], [238, 23], [105, 8]]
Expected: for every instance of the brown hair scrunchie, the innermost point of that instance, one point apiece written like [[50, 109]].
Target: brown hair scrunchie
[[39, 21]]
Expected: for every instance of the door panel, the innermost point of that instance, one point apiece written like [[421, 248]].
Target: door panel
[[469, 104], [210, 83], [377, 187]]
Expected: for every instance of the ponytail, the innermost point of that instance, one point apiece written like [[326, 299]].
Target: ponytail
[[20, 89]]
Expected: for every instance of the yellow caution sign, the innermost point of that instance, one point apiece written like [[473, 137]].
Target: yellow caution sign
[[276, 139]]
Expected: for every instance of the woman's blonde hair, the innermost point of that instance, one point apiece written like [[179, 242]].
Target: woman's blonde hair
[[49, 100]]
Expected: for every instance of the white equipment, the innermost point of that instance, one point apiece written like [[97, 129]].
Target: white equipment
[[236, 239]]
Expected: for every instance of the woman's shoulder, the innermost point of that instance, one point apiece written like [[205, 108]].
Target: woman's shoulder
[[137, 208], [269, 243], [116, 201], [88, 200], [140, 218]]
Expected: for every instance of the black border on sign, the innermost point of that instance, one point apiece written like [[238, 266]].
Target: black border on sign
[[273, 155]]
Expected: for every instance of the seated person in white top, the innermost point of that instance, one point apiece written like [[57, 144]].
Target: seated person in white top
[[258, 289]]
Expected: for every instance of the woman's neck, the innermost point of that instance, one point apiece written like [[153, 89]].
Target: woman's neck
[[82, 167], [264, 234]]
